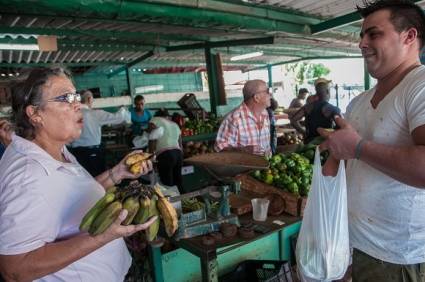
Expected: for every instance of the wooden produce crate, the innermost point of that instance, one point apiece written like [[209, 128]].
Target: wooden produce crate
[[294, 205], [301, 203]]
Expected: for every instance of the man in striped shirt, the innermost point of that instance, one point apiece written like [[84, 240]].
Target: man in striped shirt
[[247, 128]]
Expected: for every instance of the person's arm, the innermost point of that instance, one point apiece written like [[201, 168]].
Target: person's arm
[[280, 116], [227, 136], [52, 257], [403, 163], [119, 172], [295, 120], [103, 117], [296, 103]]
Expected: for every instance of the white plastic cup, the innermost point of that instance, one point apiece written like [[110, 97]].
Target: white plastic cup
[[259, 209]]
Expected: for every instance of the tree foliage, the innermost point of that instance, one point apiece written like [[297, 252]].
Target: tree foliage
[[307, 72]]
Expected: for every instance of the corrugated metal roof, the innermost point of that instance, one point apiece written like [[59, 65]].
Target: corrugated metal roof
[[324, 9], [101, 32]]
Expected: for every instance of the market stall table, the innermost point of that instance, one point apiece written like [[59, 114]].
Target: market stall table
[[228, 251]]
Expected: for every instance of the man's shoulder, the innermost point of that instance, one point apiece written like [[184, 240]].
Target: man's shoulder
[[330, 106], [414, 81], [296, 103], [19, 167], [418, 74], [236, 113]]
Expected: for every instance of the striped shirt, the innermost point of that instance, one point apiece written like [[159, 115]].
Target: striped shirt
[[240, 128]]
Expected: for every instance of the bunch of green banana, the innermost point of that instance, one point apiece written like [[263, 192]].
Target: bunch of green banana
[[153, 229], [131, 204], [92, 214], [143, 212], [141, 203], [105, 218]]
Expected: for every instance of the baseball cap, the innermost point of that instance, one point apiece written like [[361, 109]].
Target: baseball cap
[[321, 80]]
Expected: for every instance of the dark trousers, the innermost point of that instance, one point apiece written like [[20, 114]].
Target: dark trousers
[[170, 168], [91, 158], [369, 269]]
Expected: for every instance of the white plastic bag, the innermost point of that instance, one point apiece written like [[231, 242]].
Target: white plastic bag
[[141, 141], [126, 115], [323, 251]]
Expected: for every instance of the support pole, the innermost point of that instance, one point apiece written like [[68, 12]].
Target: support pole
[[212, 80], [129, 82], [155, 259], [336, 95], [269, 72]]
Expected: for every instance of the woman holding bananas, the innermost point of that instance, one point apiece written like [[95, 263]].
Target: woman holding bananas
[[44, 192]]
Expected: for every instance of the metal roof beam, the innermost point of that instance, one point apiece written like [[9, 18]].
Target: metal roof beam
[[100, 33], [82, 64], [226, 43], [338, 22], [304, 59], [141, 11], [287, 53], [243, 9], [65, 45]]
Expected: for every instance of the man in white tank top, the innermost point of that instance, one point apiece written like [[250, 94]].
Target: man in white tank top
[[382, 139]]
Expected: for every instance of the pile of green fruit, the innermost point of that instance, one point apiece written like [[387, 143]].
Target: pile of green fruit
[[309, 150], [292, 172], [201, 126]]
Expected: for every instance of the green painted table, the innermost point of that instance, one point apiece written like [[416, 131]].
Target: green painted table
[[193, 261]]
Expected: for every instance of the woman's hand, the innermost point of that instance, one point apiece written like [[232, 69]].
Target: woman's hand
[[116, 230], [121, 171]]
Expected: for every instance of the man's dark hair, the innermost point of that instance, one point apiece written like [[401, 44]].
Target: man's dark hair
[[138, 98], [162, 113], [404, 15], [322, 90], [302, 90]]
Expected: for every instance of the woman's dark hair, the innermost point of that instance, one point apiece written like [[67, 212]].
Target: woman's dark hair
[[404, 15], [30, 92]]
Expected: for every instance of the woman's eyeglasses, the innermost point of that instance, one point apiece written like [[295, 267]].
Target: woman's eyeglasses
[[67, 98]]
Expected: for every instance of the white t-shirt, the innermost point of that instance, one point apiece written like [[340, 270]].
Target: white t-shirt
[[387, 217], [42, 201], [170, 139], [93, 120]]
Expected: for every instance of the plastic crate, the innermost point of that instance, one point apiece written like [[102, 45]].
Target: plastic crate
[[260, 270], [191, 106]]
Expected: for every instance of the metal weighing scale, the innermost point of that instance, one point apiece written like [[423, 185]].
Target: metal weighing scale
[[222, 166]]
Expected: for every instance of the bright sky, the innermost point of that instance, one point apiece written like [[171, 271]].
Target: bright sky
[[343, 72]]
